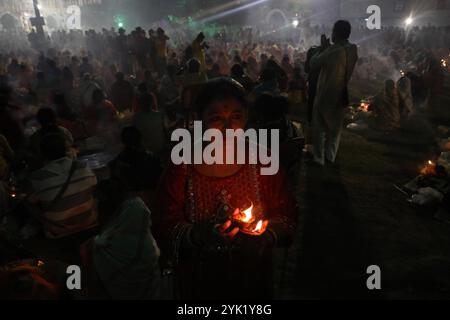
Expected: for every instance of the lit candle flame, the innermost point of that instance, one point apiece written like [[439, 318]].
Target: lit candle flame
[[258, 226], [364, 106], [247, 214]]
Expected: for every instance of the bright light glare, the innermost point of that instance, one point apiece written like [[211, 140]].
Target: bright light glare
[[295, 23], [408, 21], [120, 25], [39, 7]]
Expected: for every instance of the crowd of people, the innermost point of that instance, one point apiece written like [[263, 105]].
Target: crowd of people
[[124, 93]]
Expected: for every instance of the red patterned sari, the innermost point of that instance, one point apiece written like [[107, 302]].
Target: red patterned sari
[[185, 196]]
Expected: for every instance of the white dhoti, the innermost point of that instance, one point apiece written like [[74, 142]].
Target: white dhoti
[[327, 130]]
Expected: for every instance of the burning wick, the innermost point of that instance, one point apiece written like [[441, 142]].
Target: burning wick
[[429, 168], [258, 226], [364, 106], [245, 219], [247, 214]]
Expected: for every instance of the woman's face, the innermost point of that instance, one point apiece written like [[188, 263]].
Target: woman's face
[[225, 114]]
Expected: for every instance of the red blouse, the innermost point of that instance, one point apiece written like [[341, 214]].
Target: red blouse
[[186, 196]]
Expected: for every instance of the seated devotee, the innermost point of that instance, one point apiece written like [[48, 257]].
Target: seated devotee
[[68, 119], [212, 257], [61, 192], [85, 67], [405, 96], [122, 261], [151, 124], [48, 121], [135, 167], [297, 90], [41, 89], [238, 74], [101, 115], [386, 109], [122, 93], [168, 89], [86, 90], [269, 84], [272, 114], [145, 98], [193, 74], [214, 72]]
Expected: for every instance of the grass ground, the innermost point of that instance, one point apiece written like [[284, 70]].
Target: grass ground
[[353, 217]]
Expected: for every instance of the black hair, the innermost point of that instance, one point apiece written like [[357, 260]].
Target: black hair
[[219, 89], [271, 107], [131, 137], [193, 66], [342, 29], [46, 117], [237, 70]]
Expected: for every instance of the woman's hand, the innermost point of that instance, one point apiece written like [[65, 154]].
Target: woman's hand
[[257, 232], [206, 234], [225, 232]]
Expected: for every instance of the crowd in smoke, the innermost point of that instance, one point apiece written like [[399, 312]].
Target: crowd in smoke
[[62, 95]]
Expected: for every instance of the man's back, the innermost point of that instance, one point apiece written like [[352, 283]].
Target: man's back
[[337, 64]]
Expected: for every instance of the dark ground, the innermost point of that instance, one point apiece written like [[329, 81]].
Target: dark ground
[[353, 217]]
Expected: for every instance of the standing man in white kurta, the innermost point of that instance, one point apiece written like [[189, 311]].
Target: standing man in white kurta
[[336, 63]]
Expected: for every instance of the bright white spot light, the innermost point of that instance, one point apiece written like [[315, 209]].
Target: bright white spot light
[[120, 25], [295, 23], [39, 7], [408, 21]]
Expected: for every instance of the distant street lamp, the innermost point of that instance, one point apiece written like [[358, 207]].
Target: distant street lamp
[[409, 21]]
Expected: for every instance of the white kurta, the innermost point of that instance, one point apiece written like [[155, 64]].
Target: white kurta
[[336, 65]]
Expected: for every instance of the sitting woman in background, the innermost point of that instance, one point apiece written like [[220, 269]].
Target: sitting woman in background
[[211, 257], [405, 96], [386, 108], [101, 115], [122, 261]]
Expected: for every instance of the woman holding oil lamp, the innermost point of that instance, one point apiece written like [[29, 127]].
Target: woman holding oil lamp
[[217, 223]]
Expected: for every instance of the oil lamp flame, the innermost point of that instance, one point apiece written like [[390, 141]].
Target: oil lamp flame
[[364, 106], [247, 214], [258, 226], [429, 168]]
